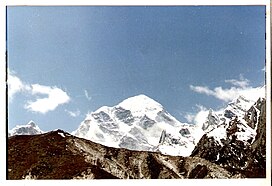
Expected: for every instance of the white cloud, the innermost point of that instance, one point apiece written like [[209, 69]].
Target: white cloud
[[73, 113], [53, 98], [242, 82], [240, 87], [87, 95], [202, 89], [15, 85], [199, 117], [230, 94], [189, 117]]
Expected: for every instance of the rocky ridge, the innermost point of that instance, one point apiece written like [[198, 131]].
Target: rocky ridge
[[59, 155], [238, 150]]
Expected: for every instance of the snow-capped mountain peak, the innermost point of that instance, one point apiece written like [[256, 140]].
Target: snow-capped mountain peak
[[137, 123], [31, 123], [240, 117], [140, 104], [31, 128]]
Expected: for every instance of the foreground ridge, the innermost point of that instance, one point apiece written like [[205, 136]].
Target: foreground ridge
[[60, 155]]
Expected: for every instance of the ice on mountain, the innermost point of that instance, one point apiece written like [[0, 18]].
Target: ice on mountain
[[218, 134], [61, 134], [140, 102], [217, 157]]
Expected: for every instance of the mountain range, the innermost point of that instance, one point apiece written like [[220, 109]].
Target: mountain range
[[232, 138]]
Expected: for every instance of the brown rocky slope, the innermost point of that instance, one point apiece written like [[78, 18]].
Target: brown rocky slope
[[59, 155]]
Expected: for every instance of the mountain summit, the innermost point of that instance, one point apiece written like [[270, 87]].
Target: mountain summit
[[140, 105], [137, 123], [31, 128]]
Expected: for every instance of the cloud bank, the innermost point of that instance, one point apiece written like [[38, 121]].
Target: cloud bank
[[15, 85], [52, 97], [238, 87]]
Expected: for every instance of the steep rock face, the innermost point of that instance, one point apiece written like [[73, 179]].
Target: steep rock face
[[59, 155], [259, 145], [245, 155], [211, 122], [136, 124]]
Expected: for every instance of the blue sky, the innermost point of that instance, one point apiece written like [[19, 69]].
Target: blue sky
[[64, 62]]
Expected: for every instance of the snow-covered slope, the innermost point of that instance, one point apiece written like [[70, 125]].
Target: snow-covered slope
[[29, 129], [240, 143], [139, 123], [243, 111]]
